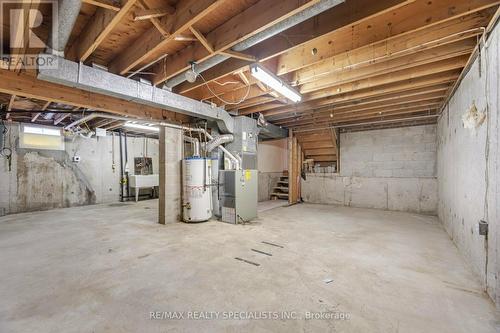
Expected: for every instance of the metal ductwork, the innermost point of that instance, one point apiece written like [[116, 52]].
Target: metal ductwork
[[261, 36], [87, 78], [68, 11], [217, 141], [196, 145], [235, 159]]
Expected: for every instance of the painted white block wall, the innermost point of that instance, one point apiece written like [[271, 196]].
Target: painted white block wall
[[397, 152], [468, 168], [393, 169], [415, 195]]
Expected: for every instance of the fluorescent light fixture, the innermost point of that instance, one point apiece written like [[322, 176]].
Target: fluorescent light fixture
[[275, 83], [142, 127], [42, 130]]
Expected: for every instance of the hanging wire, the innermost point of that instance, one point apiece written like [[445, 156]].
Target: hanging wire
[[220, 98]]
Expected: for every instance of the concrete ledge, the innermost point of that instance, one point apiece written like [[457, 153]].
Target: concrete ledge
[[416, 195]]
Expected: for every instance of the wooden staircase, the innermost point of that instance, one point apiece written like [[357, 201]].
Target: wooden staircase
[[280, 191], [320, 146]]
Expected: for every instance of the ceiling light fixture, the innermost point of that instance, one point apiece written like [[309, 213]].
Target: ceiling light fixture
[[275, 83], [142, 127], [191, 74]]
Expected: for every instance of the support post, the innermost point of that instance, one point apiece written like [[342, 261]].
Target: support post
[[336, 137], [169, 205]]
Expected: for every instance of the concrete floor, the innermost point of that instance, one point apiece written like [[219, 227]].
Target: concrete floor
[[104, 268]]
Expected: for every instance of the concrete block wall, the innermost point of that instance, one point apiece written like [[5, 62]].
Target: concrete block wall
[[393, 169], [398, 152], [469, 171], [416, 195], [43, 179]]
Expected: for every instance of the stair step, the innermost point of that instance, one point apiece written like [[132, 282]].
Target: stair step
[[282, 188], [284, 177], [282, 181], [279, 194]]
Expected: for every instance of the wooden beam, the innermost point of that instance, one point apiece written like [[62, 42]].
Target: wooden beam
[[231, 66], [260, 16], [345, 14], [239, 55], [358, 15], [162, 28], [371, 104], [394, 47], [390, 88], [61, 118], [425, 109], [316, 145], [146, 14], [412, 76], [320, 151], [243, 77], [28, 86], [107, 4], [185, 38], [323, 158], [336, 134], [11, 102], [402, 21], [206, 44], [44, 107], [464, 48], [378, 109], [188, 12], [251, 102], [402, 75], [97, 29], [367, 101], [398, 117]]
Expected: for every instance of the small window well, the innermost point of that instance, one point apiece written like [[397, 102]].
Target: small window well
[[41, 137]]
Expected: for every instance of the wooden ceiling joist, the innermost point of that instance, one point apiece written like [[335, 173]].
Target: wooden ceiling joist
[[345, 14], [364, 114], [369, 105], [417, 41], [106, 4], [390, 88], [97, 29], [146, 14], [254, 19], [202, 39], [371, 101], [28, 86], [402, 21], [188, 12], [11, 102]]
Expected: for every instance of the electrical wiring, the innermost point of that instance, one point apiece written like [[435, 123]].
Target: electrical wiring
[[221, 99], [225, 83]]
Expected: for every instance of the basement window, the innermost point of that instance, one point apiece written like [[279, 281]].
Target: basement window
[[41, 137]]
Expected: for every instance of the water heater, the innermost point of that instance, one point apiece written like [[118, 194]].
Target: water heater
[[197, 192]]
